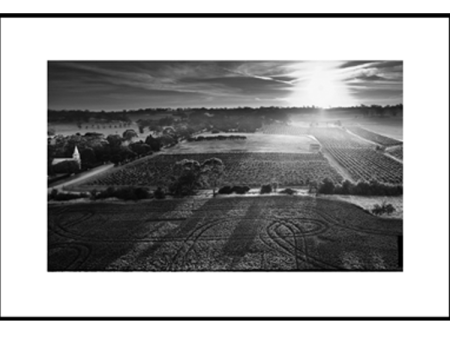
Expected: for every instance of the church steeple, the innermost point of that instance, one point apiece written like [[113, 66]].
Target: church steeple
[[76, 157]]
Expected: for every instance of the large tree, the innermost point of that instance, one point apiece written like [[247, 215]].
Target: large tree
[[212, 171], [186, 177]]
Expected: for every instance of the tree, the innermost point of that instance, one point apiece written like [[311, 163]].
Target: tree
[[212, 170], [312, 187], [88, 158], [166, 121], [327, 186], [154, 143], [346, 187], [129, 134], [159, 194], [186, 177], [115, 141], [389, 209], [167, 140]]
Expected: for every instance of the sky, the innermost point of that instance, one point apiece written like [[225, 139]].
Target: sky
[[120, 85]]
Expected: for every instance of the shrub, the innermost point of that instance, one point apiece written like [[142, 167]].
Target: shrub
[[240, 189], [288, 191], [274, 186], [57, 196], [225, 190], [362, 188], [266, 189], [159, 193], [53, 194], [141, 193], [384, 208], [126, 193]]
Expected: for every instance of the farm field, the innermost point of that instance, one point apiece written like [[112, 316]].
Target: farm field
[[397, 152], [220, 234], [360, 159], [374, 137], [252, 169], [390, 127], [282, 129], [356, 156], [253, 143], [387, 126]]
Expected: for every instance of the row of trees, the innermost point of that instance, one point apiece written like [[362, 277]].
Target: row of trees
[[86, 116], [373, 110], [363, 188]]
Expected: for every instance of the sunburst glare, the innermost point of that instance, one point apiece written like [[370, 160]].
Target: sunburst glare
[[321, 86]]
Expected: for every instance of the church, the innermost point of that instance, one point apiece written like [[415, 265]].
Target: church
[[75, 158]]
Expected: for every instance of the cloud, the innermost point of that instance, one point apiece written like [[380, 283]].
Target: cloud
[[126, 85]]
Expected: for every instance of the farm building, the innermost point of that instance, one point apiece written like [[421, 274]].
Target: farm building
[[314, 147]]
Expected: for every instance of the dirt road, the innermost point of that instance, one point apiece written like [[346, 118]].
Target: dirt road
[[83, 176]]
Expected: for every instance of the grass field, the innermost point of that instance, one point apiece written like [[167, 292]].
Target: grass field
[[249, 233], [253, 143]]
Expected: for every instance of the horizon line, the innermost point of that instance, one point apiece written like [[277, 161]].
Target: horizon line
[[225, 107]]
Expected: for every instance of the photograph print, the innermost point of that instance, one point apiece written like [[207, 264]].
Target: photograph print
[[225, 166]]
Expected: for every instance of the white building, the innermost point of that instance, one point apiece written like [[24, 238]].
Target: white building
[[75, 157]]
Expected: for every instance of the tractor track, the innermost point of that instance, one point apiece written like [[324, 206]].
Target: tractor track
[[83, 253], [200, 230], [281, 239]]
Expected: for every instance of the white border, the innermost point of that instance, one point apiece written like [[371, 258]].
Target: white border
[[28, 290]]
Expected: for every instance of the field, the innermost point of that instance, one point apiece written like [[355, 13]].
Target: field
[[397, 152], [252, 169], [356, 156], [253, 143], [368, 202], [360, 159], [223, 234], [390, 127], [282, 129], [387, 126], [374, 137]]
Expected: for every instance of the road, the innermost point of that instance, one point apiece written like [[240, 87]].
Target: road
[[82, 176]]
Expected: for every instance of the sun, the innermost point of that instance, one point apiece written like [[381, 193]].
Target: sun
[[321, 87], [322, 90]]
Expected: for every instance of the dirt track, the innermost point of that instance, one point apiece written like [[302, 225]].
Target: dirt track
[[264, 233]]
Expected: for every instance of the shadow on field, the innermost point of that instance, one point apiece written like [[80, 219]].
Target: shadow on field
[[180, 241], [63, 240], [243, 235]]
